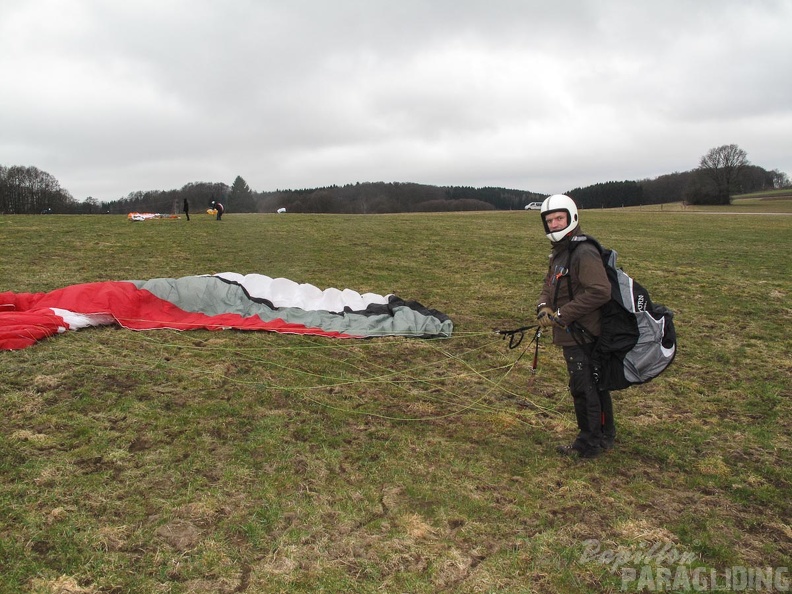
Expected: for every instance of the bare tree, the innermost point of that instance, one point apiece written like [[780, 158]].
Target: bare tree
[[780, 179], [26, 190], [92, 205], [722, 166]]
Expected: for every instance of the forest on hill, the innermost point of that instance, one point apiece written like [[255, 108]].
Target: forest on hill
[[723, 172]]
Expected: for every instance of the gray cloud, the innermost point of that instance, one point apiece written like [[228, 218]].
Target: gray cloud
[[116, 97]]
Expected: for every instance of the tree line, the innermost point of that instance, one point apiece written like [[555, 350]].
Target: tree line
[[382, 197], [26, 190], [722, 172]]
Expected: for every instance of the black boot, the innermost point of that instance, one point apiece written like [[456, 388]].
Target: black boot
[[572, 449]]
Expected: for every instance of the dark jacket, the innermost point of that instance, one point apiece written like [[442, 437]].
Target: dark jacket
[[583, 270]]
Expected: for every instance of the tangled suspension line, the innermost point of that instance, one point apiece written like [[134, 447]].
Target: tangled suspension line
[[374, 372]]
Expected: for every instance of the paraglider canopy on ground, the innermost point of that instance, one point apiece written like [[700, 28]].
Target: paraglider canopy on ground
[[215, 302], [148, 216]]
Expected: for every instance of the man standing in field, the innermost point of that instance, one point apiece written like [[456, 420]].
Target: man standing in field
[[219, 209], [575, 288]]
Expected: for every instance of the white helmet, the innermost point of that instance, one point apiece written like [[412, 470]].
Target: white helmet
[[563, 203]]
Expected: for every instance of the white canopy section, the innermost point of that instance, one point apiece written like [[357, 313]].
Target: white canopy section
[[282, 292]]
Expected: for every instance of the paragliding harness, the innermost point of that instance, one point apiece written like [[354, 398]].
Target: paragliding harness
[[637, 341], [516, 337]]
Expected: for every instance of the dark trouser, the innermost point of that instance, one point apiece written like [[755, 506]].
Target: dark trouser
[[593, 408]]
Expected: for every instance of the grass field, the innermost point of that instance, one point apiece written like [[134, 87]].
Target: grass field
[[248, 462]]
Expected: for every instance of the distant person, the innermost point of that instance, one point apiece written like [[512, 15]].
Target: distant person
[[575, 289], [187, 208], [219, 208]]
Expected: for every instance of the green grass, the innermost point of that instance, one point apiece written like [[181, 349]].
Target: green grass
[[229, 461], [784, 194], [769, 202]]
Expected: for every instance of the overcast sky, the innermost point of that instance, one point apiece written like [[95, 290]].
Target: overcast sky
[[114, 97]]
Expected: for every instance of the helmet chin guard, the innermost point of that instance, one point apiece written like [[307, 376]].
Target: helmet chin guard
[[559, 203]]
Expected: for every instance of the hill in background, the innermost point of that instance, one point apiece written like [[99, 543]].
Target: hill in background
[[392, 197], [27, 190]]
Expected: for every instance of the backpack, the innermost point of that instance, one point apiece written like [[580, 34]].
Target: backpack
[[637, 340]]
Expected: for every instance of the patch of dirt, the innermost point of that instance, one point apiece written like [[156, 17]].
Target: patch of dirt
[[113, 538], [198, 513], [63, 585], [38, 440], [46, 383], [644, 530], [180, 534], [139, 444]]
